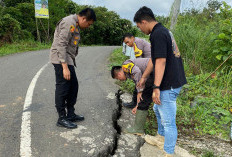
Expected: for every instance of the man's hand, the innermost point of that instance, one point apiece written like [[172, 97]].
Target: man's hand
[[141, 83], [134, 110], [66, 72], [139, 97], [156, 96]]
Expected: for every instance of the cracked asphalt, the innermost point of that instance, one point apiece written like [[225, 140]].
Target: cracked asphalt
[[94, 137]]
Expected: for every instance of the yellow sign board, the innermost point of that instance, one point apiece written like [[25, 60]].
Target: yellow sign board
[[41, 9]]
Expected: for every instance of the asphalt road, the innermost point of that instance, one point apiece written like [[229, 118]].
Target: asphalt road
[[94, 137]]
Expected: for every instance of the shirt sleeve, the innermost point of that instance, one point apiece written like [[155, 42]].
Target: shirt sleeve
[[137, 74], [63, 40], [159, 45]]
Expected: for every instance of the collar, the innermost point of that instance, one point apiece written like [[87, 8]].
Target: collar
[[77, 22], [75, 17], [154, 28]]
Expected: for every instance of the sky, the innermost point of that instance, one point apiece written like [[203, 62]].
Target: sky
[[127, 8]]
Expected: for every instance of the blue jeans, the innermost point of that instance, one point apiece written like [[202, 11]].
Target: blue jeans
[[166, 118]]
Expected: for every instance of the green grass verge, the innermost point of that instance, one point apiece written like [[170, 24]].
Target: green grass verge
[[22, 46], [202, 108]]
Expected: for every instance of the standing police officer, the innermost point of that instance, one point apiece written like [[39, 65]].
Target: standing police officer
[[142, 49], [62, 55]]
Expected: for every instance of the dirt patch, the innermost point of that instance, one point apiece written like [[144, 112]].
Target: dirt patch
[[200, 145]]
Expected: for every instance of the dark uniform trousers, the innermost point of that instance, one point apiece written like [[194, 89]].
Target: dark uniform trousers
[[134, 98], [147, 94], [66, 91]]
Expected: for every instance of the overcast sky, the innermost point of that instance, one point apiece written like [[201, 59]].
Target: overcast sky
[[127, 8]]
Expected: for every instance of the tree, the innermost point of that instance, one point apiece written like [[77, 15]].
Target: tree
[[12, 3], [214, 5]]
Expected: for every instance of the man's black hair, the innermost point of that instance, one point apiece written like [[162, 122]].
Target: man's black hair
[[144, 13], [88, 13], [114, 70], [127, 35]]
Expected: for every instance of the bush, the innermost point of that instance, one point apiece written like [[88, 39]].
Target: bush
[[10, 29], [223, 41]]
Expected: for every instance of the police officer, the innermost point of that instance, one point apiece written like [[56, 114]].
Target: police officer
[[142, 49], [62, 55], [134, 69]]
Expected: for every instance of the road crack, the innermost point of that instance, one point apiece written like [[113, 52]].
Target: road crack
[[116, 115]]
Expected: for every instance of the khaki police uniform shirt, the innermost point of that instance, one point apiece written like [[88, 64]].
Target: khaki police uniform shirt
[[142, 46], [134, 69], [66, 40]]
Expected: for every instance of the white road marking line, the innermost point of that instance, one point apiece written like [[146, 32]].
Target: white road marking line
[[25, 143]]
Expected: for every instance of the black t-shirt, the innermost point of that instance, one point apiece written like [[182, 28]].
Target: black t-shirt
[[163, 45]]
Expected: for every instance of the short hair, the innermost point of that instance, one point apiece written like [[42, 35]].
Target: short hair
[[115, 70], [88, 13], [127, 35], [144, 13]]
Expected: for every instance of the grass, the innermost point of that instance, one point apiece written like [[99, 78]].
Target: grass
[[22, 46]]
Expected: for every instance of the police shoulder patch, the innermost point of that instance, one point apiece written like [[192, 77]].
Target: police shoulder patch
[[137, 51], [127, 68], [72, 28]]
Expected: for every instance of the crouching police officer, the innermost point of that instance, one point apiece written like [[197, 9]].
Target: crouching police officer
[[134, 69], [62, 55], [142, 49]]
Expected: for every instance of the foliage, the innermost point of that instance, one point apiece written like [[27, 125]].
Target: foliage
[[10, 3], [223, 41], [206, 104], [108, 30], [208, 154], [22, 46], [10, 29], [117, 57], [196, 42], [206, 38]]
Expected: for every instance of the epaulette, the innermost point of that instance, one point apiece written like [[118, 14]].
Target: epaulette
[[127, 68], [137, 51]]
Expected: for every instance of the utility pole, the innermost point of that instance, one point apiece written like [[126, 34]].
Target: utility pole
[[175, 9]]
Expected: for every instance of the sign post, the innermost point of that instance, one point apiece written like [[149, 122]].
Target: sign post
[[41, 11]]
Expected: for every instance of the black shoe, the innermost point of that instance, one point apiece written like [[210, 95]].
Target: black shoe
[[75, 118], [62, 122], [129, 105]]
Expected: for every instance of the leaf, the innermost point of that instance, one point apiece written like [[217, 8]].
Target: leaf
[[216, 51], [219, 57], [225, 49], [225, 57], [221, 35]]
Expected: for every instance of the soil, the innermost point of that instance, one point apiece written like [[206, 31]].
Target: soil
[[205, 145]]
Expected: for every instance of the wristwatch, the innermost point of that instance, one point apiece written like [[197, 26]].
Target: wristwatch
[[154, 86]]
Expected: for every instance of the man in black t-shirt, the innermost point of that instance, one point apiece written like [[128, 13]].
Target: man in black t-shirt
[[169, 78]]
